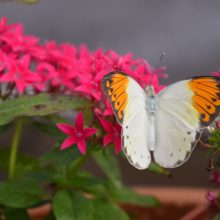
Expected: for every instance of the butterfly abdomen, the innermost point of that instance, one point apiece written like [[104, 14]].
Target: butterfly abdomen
[[151, 137]]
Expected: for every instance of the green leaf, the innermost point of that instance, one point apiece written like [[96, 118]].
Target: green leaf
[[23, 160], [43, 174], [126, 195], [50, 216], [38, 105], [83, 207], [48, 128], [158, 169], [16, 214], [108, 211], [63, 206], [109, 165], [215, 139], [62, 157], [89, 183], [20, 193]]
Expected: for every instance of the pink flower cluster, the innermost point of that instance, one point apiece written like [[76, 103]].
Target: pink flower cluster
[[28, 66]]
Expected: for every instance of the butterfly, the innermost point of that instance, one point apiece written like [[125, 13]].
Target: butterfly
[[169, 123]]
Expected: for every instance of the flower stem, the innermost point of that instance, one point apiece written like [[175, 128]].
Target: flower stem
[[82, 160], [14, 148]]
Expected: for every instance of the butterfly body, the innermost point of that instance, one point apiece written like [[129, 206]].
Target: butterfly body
[[169, 123], [151, 107]]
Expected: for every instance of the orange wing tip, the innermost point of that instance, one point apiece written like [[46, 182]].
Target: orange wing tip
[[115, 85], [206, 98]]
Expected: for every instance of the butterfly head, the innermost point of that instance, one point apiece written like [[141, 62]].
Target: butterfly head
[[150, 91]]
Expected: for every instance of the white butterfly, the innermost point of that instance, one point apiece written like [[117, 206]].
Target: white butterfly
[[169, 124]]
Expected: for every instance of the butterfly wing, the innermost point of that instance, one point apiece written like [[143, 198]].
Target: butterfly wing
[[184, 108], [128, 100]]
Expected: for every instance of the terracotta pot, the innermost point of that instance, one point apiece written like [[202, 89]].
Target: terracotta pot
[[39, 213], [176, 203]]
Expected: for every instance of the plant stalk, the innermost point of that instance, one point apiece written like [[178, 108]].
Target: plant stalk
[[81, 161], [14, 148]]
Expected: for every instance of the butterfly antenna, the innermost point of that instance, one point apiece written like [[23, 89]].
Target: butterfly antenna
[[159, 62]]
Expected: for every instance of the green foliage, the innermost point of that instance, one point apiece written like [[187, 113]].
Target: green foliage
[[215, 139], [62, 157], [38, 105], [214, 149], [88, 183], [108, 211], [125, 195], [16, 214], [109, 165], [20, 193], [24, 161], [83, 207], [75, 206], [156, 168], [59, 171], [63, 206]]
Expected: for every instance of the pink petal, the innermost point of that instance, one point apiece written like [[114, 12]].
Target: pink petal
[[81, 144], [20, 86], [79, 122], [117, 143], [68, 142], [25, 61], [107, 139], [106, 125], [83, 89], [97, 112], [108, 112], [6, 78], [65, 128], [96, 95], [89, 132]]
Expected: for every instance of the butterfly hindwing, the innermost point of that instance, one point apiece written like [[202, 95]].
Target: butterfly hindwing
[[128, 100]]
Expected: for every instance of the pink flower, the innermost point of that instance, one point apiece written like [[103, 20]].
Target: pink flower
[[2, 61], [3, 25], [217, 124], [215, 177], [18, 71], [108, 109], [76, 134], [113, 134], [212, 197], [90, 85], [46, 73], [121, 63]]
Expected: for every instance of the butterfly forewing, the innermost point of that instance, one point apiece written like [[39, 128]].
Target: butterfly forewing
[[128, 100], [184, 108], [114, 85], [206, 97]]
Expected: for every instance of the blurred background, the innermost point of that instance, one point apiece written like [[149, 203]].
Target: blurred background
[[187, 31]]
